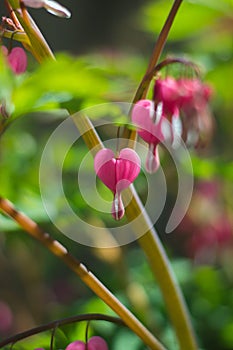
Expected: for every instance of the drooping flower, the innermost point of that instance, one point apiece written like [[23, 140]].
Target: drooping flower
[[179, 109], [51, 6], [16, 58], [166, 91], [149, 125], [197, 121], [117, 173]]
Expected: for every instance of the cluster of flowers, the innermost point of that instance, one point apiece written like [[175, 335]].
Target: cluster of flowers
[[179, 109], [94, 343]]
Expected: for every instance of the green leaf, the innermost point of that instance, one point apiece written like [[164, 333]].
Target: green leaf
[[58, 82]]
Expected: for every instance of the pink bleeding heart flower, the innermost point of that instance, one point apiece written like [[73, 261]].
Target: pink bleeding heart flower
[[16, 58], [197, 120], [166, 92], [76, 345], [167, 97], [150, 129], [97, 343], [117, 173]]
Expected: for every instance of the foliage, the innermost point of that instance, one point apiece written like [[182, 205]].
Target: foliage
[[39, 100]]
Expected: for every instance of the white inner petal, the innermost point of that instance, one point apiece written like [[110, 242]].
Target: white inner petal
[[56, 9]]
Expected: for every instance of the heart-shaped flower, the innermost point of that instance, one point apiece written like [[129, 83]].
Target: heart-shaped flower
[[117, 173], [17, 59]]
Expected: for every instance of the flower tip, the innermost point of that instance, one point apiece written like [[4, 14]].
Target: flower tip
[[56, 9], [118, 209], [51, 6], [97, 343], [76, 345], [152, 160]]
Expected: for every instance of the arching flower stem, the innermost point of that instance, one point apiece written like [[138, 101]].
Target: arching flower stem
[[62, 322]]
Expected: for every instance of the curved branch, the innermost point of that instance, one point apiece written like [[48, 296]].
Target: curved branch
[[51, 325], [82, 271]]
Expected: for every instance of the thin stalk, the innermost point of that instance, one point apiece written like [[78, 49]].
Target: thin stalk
[[160, 266], [84, 274], [143, 87], [18, 36], [158, 48], [38, 45]]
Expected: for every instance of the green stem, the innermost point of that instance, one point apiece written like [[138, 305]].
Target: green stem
[[38, 45], [159, 263], [158, 48], [18, 36], [143, 87]]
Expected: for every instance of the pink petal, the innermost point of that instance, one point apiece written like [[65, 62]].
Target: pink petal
[[148, 120], [128, 166], [17, 59], [167, 92], [142, 116], [76, 345], [34, 3], [117, 173], [97, 343], [104, 165]]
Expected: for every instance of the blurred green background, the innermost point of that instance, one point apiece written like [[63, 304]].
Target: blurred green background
[[105, 50]]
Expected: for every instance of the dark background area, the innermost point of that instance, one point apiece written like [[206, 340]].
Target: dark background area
[[93, 26]]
